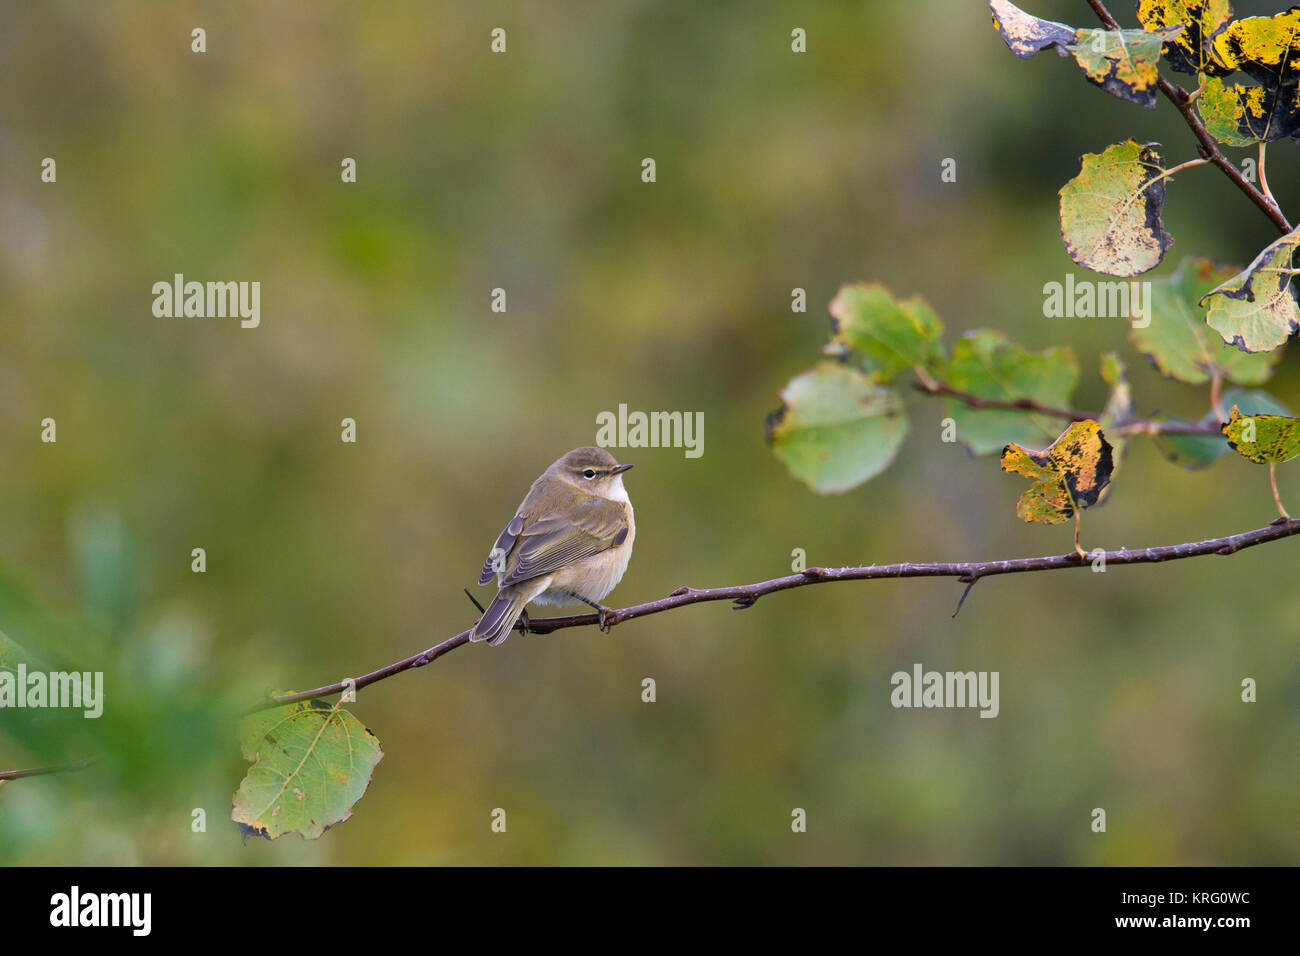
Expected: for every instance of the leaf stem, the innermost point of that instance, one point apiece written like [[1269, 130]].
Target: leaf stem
[[928, 382], [1277, 498], [1263, 176], [1200, 161]]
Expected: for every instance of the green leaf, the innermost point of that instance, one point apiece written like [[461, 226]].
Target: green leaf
[[1192, 452], [1263, 438], [1119, 405], [1248, 115], [1177, 339], [986, 364], [1026, 34], [310, 764], [1252, 402], [1256, 310], [1118, 410], [1072, 473], [1189, 51], [12, 654], [1198, 451], [892, 336], [1124, 63], [836, 427], [1110, 212]]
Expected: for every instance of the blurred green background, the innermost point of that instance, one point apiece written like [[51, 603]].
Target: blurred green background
[[522, 171]]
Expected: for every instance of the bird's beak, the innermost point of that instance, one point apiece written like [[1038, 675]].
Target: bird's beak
[[619, 469]]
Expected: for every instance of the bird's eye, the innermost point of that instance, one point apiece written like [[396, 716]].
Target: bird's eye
[[589, 473]]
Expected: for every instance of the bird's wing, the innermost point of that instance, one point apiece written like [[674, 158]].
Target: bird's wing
[[555, 541], [496, 559]]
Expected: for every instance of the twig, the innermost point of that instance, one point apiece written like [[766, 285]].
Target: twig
[[1166, 428], [970, 583], [1142, 427], [41, 771], [744, 595], [1207, 147], [970, 400]]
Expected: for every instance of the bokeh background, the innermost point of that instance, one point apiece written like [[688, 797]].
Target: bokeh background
[[522, 171]]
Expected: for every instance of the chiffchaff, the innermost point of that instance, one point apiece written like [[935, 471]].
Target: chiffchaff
[[569, 541]]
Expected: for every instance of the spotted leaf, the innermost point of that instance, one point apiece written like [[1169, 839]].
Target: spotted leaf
[[1267, 49], [1177, 339], [1071, 474], [1026, 34], [1263, 438], [1110, 212], [1189, 51], [1124, 63], [1249, 115], [1256, 310]]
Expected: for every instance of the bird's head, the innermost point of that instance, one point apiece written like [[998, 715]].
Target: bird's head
[[593, 470]]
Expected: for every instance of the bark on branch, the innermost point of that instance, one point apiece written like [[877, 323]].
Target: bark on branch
[[745, 595]]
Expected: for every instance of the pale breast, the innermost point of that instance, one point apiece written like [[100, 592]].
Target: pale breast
[[594, 577]]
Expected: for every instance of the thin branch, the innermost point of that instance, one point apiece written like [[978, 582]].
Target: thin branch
[[1207, 147], [745, 595], [1141, 427], [970, 583], [41, 771], [1166, 428], [970, 400]]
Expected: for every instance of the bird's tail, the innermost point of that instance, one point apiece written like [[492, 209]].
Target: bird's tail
[[495, 624]]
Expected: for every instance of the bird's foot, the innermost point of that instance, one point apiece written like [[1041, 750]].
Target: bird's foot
[[603, 615]]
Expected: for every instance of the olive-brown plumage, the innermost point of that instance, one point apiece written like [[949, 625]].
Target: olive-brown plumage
[[569, 541]]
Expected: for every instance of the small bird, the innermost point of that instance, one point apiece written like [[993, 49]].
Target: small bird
[[569, 541]]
